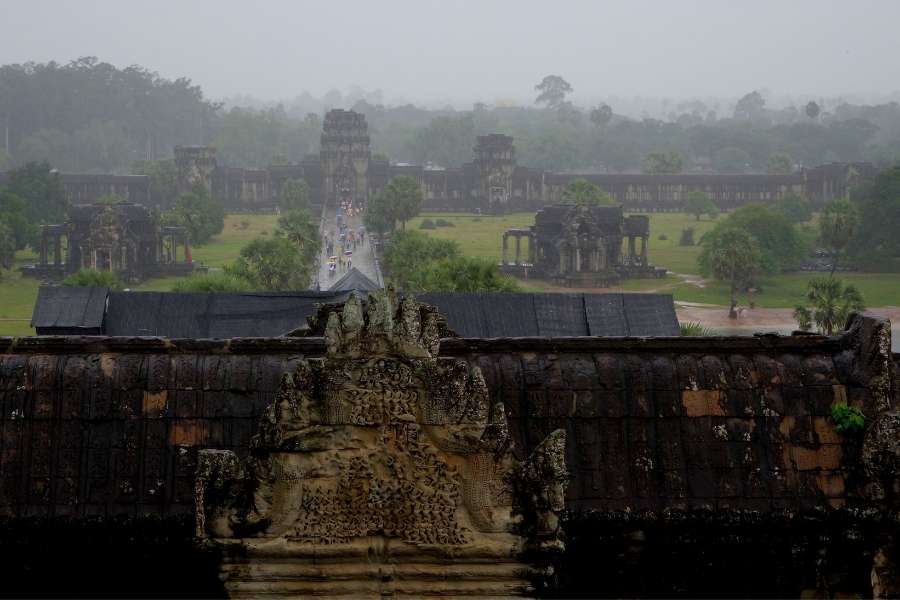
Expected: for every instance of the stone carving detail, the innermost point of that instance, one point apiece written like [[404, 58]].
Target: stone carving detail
[[382, 442]]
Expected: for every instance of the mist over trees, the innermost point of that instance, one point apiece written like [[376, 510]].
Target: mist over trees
[[90, 116]]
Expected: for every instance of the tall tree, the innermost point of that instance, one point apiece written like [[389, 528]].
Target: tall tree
[[731, 255], [812, 109], [461, 274], [780, 164], [39, 186], [7, 246], [663, 163], [410, 251], [750, 107], [272, 264], [403, 196], [553, 90], [601, 115], [699, 203], [298, 227], [14, 216], [876, 243], [582, 191], [781, 246], [829, 304], [294, 195], [378, 217], [794, 206], [837, 226], [199, 213]]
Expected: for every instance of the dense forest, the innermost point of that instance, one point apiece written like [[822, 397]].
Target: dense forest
[[89, 116]]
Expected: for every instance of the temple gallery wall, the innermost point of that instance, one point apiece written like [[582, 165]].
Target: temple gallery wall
[[492, 182], [380, 455]]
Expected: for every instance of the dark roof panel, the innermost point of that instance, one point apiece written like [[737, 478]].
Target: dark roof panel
[[560, 315], [651, 315], [223, 315], [60, 307], [354, 279], [606, 314], [464, 316]]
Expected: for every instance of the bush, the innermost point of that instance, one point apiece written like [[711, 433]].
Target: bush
[[444, 223], [847, 419], [687, 237], [663, 237], [409, 251], [695, 330], [213, 282], [92, 278], [476, 219], [780, 242], [426, 224]]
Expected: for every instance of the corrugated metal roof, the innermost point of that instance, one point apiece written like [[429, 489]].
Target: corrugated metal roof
[[220, 315], [354, 279], [61, 307]]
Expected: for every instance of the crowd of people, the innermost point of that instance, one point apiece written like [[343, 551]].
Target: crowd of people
[[341, 243]]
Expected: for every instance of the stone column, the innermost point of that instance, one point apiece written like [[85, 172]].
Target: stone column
[[532, 255], [503, 250], [645, 240], [577, 258], [518, 250], [57, 251], [631, 250]]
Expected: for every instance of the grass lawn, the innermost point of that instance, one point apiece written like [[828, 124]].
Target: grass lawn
[[480, 236], [17, 293]]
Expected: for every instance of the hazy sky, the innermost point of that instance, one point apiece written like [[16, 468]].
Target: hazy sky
[[462, 51]]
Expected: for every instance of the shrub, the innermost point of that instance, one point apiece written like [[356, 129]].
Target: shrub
[[444, 223], [695, 330], [663, 237], [213, 282], [476, 219], [93, 278], [687, 237], [847, 419], [426, 224]]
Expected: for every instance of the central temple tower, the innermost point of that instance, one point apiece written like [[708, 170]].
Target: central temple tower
[[345, 157]]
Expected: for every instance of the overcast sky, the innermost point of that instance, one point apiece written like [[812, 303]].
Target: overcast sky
[[463, 51]]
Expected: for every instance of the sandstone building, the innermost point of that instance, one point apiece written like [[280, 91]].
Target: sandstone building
[[582, 246], [124, 239], [492, 182]]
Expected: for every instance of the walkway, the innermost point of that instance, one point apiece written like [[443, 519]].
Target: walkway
[[363, 257]]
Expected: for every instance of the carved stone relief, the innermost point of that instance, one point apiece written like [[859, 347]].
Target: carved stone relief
[[377, 456]]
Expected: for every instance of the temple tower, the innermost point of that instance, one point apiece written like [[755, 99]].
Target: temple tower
[[195, 164], [495, 161], [345, 157]]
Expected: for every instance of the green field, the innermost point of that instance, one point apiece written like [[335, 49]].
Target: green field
[[480, 236], [17, 293]]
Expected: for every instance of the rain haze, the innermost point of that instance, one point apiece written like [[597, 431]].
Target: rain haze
[[443, 52]]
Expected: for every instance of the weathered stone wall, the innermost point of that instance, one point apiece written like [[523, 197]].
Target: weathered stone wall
[[98, 426], [733, 435]]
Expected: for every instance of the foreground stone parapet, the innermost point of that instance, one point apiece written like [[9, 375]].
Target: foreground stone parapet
[[381, 470]]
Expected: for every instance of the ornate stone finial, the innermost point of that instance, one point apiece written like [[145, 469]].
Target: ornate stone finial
[[379, 324]]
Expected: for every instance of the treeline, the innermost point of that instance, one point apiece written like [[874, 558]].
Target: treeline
[[89, 116]]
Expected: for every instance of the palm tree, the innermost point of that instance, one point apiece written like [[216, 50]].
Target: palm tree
[[298, 228], [829, 305]]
